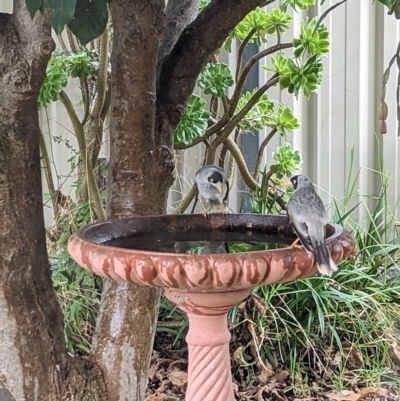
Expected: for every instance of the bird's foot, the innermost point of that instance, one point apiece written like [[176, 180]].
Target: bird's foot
[[206, 214], [295, 244]]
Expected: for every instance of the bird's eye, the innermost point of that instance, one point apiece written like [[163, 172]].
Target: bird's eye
[[212, 179], [294, 182]]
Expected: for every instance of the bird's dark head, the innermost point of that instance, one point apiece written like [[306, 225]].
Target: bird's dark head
[[215, 179], [300, 180]]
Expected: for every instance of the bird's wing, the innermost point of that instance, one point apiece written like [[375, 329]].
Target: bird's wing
[[227, 191], [300, 227]]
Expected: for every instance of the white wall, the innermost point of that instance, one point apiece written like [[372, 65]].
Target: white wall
[[341, 115]]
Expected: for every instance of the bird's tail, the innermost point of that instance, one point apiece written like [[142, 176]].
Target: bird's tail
[[325, 264]]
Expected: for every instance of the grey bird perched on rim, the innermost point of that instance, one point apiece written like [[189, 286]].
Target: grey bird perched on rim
[[306, 211], [213, 186]]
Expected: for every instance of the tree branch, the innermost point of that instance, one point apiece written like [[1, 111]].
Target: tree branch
[[194, 47], [102, 73], [72, 42], [179, 14], [241, 163], [261, 152], [241, 51]]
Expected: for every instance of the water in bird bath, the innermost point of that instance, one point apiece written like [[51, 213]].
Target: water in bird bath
[[191, 233], [195, 241]]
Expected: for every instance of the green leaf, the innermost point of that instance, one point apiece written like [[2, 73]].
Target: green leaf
[[295, 4], [287, 160], [90, 19], [388, 3], [259, 115], [194, 123], [284, 120], [56, 79], [277, 21], [33, 6], [311, 41], [62, 12], [215, 79]]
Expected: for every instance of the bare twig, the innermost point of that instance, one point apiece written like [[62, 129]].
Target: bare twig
[[324, 15], [261, 149], [72, 42], [183, 205], [48, 173], [241, 51]]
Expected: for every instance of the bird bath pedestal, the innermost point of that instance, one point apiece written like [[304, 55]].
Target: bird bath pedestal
[[205, 286]]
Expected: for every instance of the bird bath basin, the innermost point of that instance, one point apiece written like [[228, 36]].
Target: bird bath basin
[[205, 286]]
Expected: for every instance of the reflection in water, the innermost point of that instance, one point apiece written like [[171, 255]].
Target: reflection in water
[[213, 242]]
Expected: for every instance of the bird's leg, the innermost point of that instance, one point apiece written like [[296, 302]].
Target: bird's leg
[[295, 243]]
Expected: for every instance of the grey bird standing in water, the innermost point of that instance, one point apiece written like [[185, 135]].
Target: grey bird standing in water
[[306, 211], [213, 188]]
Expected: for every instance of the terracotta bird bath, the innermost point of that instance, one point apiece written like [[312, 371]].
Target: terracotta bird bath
[[206, 286]]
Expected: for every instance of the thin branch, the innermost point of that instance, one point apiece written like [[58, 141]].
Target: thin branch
[[48, 173], [72, 42], [241, 163], [263, 145], [185, 202], [231, 169], [86, 94], [230, 126], [62, 43], [80, 136], [222, 156], [324, 15], [102, 73], [107, 103], [226, 107], [247, 68], [241, 51]]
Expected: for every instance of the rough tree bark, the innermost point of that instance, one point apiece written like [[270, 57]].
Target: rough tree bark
[[34, 365], [149, 97]]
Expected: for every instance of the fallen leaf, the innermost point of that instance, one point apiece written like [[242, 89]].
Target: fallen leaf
[[238, 356], [267, 371], [394, 352], [178, 378], [259, 304], [345, 395], [282, 375]]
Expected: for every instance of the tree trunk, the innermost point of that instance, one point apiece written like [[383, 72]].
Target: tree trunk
[[34, 365], [140, 175]]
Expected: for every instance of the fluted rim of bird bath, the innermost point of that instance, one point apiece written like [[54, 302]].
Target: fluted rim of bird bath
[[200, 272]]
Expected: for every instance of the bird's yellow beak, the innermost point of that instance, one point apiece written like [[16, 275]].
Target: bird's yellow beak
[[285, 183], [219, 187]]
